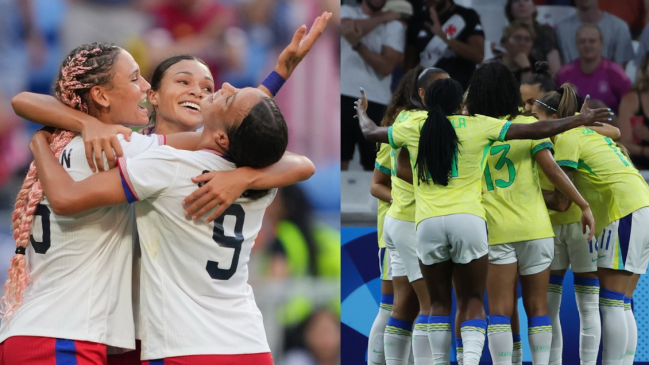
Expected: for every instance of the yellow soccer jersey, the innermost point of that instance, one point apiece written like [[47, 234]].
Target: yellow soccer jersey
[[605, 177], [513, 200], [403, 194], [464, 191], [382, 164], [572, 215]]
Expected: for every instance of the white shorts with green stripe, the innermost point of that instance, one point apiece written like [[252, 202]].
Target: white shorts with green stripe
[[532, 256], [384, 264], [572, 249], [624, 244]]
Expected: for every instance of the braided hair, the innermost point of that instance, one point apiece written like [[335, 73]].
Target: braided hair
[[86, 66], [438, 141]]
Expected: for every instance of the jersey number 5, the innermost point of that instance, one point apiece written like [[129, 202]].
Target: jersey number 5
[[42, 247], [228, 242]]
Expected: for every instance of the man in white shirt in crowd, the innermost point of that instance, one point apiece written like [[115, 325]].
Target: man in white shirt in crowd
[[372, 45]]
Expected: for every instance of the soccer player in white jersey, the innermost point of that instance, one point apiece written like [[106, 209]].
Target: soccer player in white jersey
[[58, 334], [196, 305]]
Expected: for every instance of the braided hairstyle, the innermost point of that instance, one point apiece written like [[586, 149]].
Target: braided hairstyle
[[86, 66], [494, 92], [438, 141]]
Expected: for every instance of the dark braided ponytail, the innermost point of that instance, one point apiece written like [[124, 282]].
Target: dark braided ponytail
[[438, 141]]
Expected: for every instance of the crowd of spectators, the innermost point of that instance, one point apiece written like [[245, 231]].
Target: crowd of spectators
[[597, 45], [240, 41]]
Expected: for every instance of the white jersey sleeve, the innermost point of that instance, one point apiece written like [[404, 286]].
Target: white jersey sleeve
[[149, 174]]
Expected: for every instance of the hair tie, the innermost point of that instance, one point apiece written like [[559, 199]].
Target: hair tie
[[560, 91], [20, 250]]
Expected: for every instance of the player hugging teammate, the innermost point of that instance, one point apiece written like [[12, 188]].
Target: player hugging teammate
[[483, 185], [68, 297]]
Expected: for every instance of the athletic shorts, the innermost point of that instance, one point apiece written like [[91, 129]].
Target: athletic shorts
[[384, 265], [401, 240], [127, 358], [572, 249], [32, 350], [533, 256], [624, 244], [461, 238], [245, 359]]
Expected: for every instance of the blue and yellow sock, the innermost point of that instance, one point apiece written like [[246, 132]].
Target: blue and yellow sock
[[473, 337], [440, 337]]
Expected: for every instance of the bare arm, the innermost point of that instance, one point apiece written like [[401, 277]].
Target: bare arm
[[222, 188], [549, 128], [380, 187], [556, 201], [299, 47], [365, 26], [404, 170], [607, 130], [383, 63], [69, 197], [370, 130], [564, 185], [97, 137]]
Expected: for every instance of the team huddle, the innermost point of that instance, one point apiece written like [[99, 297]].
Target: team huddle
[[157, 249], [480, 190]]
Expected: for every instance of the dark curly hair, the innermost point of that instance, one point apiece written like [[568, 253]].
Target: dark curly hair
[[86, 66], [494, 92], [402, 96]]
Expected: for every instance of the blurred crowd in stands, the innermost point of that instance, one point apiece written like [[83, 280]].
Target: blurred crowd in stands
[[240, 40], [599, 46]]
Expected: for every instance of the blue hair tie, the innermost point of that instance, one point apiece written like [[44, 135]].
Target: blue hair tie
[[274, 82]]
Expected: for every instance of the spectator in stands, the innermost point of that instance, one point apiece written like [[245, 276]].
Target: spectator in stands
[[322, 341], [372, 46], [194, 27], [643, 46], [448, 36], [633, 12], [516, 42], [617, 38], [545, 47], [633, 120], [592, 73]]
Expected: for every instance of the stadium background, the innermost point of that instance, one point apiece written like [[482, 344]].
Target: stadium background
[[251, 34]]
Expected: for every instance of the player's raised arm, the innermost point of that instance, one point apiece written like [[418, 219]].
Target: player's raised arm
[[293, 54], [69, 197], [551, 127], [98, 137], [222, 188], [370, 130]]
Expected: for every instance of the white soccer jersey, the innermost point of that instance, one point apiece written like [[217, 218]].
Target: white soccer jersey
[[195, 298], [80, 266]]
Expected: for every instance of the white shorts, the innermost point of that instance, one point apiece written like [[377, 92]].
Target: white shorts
[[384, 264], [533, 256], [461, 238], [572, 249], [624, 244], [401, 240]]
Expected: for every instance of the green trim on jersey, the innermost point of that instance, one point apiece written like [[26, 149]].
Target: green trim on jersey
[[390, 140], [584, 166], [568, 163], [543, 146], [383, 169], [503, 132]]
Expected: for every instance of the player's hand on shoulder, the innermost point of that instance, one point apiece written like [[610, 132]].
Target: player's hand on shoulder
[[301, 44], [595, 116], [99, 139], [216, 188], [41, 137]]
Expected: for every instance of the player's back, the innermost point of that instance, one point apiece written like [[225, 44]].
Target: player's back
[[80, 266], [195, 297], [605, 177], [512, 196]]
